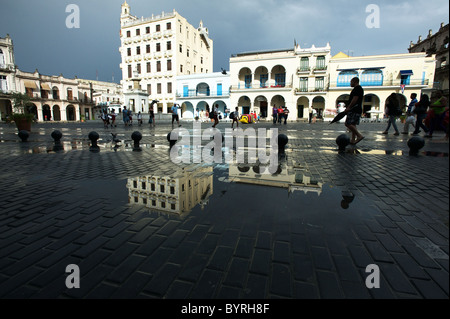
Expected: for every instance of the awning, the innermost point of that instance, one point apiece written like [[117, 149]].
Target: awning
[[30, 84], [45, 86], [406, 72]]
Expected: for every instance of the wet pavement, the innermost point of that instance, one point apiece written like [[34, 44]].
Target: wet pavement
[[139, 226]]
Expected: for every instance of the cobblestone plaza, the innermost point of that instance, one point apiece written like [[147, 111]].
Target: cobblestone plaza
[[309, 232]]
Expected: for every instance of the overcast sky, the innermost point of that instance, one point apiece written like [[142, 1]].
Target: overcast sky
[[42, 41]]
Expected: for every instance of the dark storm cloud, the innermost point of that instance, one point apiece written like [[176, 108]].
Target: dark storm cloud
[[42, 40]]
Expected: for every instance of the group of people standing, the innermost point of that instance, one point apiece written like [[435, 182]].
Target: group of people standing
[[420, 114], [280, 113]]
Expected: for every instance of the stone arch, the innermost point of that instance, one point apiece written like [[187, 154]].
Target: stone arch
[[46, 112], [56, 113], [70, 113]]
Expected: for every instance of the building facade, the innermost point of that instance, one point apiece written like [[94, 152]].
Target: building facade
[[200, 92], [295, 78], [436, 44], [159, 49], [309, 77], [379, 75], [7, 75]]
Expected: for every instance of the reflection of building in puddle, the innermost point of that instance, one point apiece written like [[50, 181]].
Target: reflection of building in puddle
[[178, 193], [293, 177]]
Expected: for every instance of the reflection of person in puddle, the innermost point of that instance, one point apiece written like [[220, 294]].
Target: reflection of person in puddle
[[347, 198]]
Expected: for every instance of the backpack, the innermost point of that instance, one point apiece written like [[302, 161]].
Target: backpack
[[232, 115]]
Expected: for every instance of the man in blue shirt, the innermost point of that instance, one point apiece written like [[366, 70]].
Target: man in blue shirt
[[410, 118], [175, 114]]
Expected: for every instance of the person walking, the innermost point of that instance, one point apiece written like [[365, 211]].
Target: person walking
[[139, 118], [280, 114], [235, 117], [437, 113], [310, 114], [354, 111], [392, 110], [151, 117], [175, 116], [274, 114], [215, 115], [314, 116], [285, 114], [420, 109], [410, 118], [125, 117]]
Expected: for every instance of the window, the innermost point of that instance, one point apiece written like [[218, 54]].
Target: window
[[130, 73], [152, 187], [139, 68], [149, 68], [320, 63], [372, 78], [158, 66], [320, 81], [158, 27], [345, 77], [201, 60], [169, 26], [172, 206], [248, 81], [138, 50], [161, 188], [147, 30], [69, 94], [304, 64], [169, 65], [169, 87], [138, 32], [158, 88], [181, 68], [181, 48], [280, 79], [187, 52], [303, 84], [149, 90], [128, 34], [169, 45], [263, 80], [147, 48], [158, 47], [219, 89], [129, 51]]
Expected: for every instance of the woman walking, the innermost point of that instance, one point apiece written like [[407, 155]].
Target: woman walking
[[392, 110]]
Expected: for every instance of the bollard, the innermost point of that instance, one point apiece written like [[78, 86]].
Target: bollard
[[172, 138], [136, 137], [23, 135], [342, 141], [282, 141], [57, 135], [93, 136], [347, 198], [415, 144]]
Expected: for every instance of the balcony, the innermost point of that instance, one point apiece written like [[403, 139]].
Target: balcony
[[6, 67], [304, 90], [384, 83], [194, 94], [303, 70], [262, 86], [320, 69]]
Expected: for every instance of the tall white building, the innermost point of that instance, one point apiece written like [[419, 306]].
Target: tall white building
[[158, 49]]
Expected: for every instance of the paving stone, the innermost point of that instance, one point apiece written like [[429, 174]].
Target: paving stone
[[389, 243], [244, 248], [281, 280], [207, 285], [132, 287], [303, 268], [420, 256], [182, 253], [236, 275], [194, 268], [256, 287], [261, 262], [378, 252], [328, 285], [305, 291], [410, 266], [221, 258], [264, 240], [429, 289], [440, 277]]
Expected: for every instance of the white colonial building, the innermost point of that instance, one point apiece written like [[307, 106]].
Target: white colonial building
[[160, 48], [7, 74], [200, 92], [295, 78], [380, 75]]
